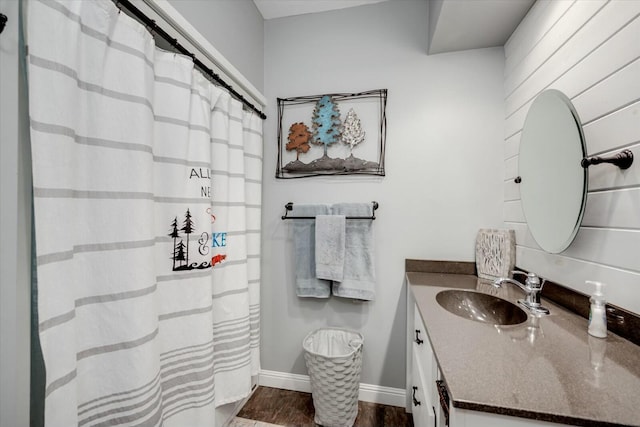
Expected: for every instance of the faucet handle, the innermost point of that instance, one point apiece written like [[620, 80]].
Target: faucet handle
[[533, 281], [514, 272]]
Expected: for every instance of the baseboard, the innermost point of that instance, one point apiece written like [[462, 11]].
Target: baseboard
[[368, 392], [382, 395], [284, 381]]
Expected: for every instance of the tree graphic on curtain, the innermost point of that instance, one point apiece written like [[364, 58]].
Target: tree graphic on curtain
[[174, 233], [188, 228], [178, 255]]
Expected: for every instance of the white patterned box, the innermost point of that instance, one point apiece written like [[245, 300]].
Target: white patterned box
[[495, 252]]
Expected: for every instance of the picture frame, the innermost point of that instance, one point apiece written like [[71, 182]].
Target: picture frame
[[332, 134]]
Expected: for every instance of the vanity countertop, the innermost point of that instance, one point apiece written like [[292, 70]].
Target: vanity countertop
[[547, 368]]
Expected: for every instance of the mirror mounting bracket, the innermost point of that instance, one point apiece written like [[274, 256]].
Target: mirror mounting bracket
[[623, 160], [3, 21]]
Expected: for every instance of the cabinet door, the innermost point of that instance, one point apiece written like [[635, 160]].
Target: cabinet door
[[422, 408], [424, 354]]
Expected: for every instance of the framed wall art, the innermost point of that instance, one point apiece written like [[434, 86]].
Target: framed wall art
[[332, 134]]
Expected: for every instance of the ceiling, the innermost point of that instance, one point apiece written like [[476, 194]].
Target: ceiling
[[453, 24], [271, 9], [473, 24]]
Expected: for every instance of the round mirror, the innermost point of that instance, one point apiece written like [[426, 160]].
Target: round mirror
[[554, 185]]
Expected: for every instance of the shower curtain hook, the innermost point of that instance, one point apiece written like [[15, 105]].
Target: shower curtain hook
[[151, 26]]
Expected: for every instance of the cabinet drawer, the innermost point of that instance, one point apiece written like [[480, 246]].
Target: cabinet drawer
[[422, 409]]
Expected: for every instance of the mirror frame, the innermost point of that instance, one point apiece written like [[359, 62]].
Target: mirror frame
[[540, 131]]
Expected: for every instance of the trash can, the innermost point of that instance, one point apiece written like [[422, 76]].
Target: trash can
[[334, 361]]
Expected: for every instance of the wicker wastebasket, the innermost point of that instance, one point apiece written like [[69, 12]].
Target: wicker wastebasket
[[334, 361]]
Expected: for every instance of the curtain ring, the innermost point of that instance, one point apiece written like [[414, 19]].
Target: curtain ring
[[151, 26]]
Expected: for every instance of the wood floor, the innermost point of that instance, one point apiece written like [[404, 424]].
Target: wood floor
[[295, 409]]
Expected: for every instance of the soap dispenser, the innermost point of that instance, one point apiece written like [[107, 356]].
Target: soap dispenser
[[598, 312]]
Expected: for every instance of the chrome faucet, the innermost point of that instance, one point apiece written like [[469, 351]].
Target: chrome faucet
[[532, 287]]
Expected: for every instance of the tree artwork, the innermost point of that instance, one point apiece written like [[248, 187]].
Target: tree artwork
[[178, 254], [174, 233], [326, 122], [299, 137], [188, 229], [352, 132], [328, 126]]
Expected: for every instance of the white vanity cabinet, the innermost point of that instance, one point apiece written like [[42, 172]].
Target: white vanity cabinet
[[423, 399]]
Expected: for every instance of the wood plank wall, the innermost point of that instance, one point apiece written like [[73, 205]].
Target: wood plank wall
[[590, 50]]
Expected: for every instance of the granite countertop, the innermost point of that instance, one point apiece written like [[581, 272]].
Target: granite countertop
[[547, 368]]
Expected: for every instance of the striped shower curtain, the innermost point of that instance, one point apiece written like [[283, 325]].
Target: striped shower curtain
[[147, 192]]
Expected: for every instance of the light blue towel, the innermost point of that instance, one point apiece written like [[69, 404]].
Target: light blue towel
[[304, 239], [330, 235], [359, 271]]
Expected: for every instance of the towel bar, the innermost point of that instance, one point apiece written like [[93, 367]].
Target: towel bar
[[289, 207]]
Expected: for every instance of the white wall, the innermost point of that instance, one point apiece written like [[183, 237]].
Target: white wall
[[590, 50], [444, 168], [234, 27], [15, 230]]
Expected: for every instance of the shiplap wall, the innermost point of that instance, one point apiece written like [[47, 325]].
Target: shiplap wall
[[590, 50]]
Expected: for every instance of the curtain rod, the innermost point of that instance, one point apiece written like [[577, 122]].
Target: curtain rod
[[150, 23]]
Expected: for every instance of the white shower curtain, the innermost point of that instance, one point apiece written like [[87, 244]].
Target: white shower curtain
[[147, 192]]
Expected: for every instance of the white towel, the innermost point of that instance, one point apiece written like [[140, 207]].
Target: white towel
[[359, 272], [330, 236], [304, 236]]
